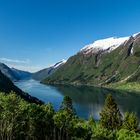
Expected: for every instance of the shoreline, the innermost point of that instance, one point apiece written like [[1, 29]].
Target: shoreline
[[128, 87]]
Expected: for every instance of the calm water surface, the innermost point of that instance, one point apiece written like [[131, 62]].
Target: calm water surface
[[87, 100]]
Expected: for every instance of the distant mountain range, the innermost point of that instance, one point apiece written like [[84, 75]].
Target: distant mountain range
[[103, 62], [14, 74], [9, 75], [43, 74], [21, 74]]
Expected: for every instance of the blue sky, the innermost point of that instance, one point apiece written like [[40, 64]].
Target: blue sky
[[37, 33]]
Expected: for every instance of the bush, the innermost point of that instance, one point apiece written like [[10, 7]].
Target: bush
[[100, 133], [130, 122], [125, 134]]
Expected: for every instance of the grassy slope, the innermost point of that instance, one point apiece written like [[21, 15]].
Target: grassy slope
[[126, 86]]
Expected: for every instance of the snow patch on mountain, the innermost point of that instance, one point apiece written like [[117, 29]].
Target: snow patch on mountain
[[44, 73], [108, 44], [63, 61], [134, 35]]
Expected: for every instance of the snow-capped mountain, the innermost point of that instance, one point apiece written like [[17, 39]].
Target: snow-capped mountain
[[102, 62], [108, 44], [135, 35], [42, 74]]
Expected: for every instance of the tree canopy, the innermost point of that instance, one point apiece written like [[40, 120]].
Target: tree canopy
[[20, 120]]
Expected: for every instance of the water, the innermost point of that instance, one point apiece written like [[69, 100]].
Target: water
[[87, 100]]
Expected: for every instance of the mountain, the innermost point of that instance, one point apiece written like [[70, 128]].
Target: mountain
[[42, 74], [14, 74], [103, 62], [21, 74], [8, 72], [7, 86]]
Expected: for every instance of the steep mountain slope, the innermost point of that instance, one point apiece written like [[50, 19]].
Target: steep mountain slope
[[14, 74], [7, 86], [8, 72], [105, 61], [42, 74]]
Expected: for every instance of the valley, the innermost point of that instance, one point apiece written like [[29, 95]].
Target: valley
[[69, 70], [98, 88]]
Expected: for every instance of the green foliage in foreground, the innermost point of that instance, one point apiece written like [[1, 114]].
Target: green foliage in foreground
[[20, 120]]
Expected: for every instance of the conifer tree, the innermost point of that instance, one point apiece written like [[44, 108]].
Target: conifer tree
[[67, 104], [111, 117]]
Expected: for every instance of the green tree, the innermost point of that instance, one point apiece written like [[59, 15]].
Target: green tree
[[63, 128], [91, 120], [48, 122], [20, 120], [67, 105], [111, 117], [40, 119], [63, 118], [130, 121], [124, 134], [12, 116]]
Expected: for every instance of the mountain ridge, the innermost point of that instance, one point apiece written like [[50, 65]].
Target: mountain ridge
[[44, 73], [21, 74], [14, 74], [100, 67]]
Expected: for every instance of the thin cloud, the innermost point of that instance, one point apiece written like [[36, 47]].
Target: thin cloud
[[15, 61], [29, 68], [21, 64]]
